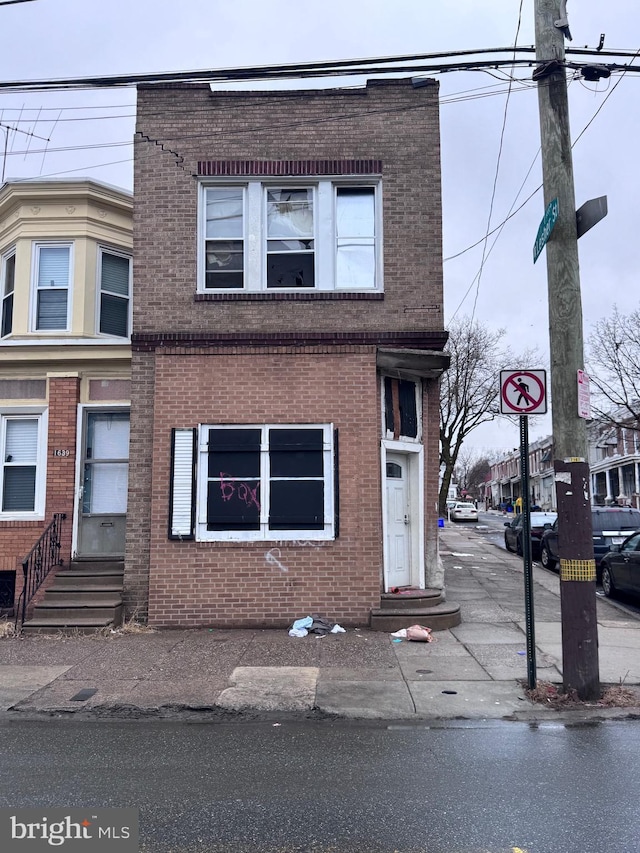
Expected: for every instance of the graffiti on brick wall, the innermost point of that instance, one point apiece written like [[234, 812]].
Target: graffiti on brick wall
[[273, 556]]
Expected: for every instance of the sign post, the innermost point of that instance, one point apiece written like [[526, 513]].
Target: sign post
[[525, 392]]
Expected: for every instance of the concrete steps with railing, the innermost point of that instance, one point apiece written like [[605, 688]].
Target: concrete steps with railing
[[85, 597], [415, 607]]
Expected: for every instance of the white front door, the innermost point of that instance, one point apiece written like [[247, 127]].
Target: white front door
[[398, 521], [103, 496]]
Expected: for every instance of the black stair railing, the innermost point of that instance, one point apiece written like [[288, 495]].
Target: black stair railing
[[44, 555]]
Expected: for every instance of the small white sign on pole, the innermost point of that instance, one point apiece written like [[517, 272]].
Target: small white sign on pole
[[584, 396]]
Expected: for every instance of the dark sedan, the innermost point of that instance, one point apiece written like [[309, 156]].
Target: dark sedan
[[513, 531], [621, 567]]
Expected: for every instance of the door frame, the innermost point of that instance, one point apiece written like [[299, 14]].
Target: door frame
[[414, 456], [83, 410]]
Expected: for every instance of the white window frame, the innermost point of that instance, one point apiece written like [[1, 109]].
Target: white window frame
[[35, 266], [40, 414], [4, 261], [264, 534], [107, 250], [325, 232]]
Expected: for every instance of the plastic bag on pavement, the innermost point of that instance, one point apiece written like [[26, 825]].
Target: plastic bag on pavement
[[401, 634], [419, 633]]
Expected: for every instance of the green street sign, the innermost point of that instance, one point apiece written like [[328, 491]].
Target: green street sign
[[546, 227]]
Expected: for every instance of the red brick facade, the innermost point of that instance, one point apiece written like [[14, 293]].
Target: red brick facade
[[271, 357]]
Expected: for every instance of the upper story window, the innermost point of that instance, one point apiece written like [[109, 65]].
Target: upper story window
[[115, 294], [52, 274], [22, 483], [7, 286], [262, 236]]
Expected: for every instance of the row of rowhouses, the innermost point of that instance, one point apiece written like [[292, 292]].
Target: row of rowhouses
[[241, 402]]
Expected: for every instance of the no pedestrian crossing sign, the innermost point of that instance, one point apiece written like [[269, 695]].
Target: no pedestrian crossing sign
[[523, 392]]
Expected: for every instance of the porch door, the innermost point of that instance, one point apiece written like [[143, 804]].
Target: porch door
[[104, 473], [398, 521]]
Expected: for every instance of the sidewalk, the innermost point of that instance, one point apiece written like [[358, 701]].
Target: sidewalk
[[472, 671]]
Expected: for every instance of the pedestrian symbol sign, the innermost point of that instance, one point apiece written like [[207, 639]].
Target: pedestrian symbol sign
[[523, 392]]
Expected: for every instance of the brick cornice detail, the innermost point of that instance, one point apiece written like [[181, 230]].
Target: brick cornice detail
[[283, 168], [424, 340]]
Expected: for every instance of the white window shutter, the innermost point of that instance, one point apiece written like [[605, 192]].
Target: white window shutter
[[182, 497]]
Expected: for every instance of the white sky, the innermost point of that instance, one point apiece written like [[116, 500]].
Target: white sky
[[73, 38]]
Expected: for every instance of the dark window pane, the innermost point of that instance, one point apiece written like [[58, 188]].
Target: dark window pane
[[114, 315], [296, 452], [19, 490], [290, 270], [408, 413], [394, 471], [225, 264], [7, 315], [296, 505], [115, 274], [388, 403], [234, 453], [233, 505]]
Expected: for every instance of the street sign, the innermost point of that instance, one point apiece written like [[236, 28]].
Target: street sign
[[546, 227], [584, 396], [523, 392], [590, 213]]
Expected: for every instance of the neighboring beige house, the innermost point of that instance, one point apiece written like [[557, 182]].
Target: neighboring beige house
[[65, 282]]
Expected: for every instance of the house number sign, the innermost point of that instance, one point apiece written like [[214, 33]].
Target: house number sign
[[61, 453]]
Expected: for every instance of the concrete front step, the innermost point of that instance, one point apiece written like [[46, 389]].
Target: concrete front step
[[439, 617], [79, 594], [410, 599], [81, 625], [88, 608]]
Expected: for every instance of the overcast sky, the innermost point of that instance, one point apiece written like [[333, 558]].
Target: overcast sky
[[72, 38]]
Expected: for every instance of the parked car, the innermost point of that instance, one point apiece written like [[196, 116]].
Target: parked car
[[461, 511], [620, 567], [611, 526], [513, 531]]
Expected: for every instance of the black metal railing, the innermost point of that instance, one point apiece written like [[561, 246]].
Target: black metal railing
[[44, 555]]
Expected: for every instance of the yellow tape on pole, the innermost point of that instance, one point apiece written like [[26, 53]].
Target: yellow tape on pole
[[577, 570]]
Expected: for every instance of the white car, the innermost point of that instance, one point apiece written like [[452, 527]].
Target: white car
[[463, 512]]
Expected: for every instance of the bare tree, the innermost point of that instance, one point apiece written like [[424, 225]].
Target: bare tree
[[614, 369], [469, 390]]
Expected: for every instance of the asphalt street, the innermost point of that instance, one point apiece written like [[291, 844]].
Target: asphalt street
[[339, 787]]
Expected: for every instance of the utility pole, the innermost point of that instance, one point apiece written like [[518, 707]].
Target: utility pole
[[575, 545]]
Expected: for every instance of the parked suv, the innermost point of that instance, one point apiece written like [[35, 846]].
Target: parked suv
[[611, 525]]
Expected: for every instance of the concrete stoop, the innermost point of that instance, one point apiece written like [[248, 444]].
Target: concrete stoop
[[85, 597], [416, 607]]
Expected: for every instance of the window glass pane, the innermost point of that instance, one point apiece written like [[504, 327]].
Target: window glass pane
[[234, 453], [290, 270], [290, 213], [355, 265], [224, 212], [408, 412], [224, 264], [114, 315], [233, 505], [296, 505], [115, 274], [7, 315], [53, 266], [105, 488], [21, 441], [52, 309], [355, 212], [388, 403], [9, 274], [19, 490], [108, 435], [296, 453]]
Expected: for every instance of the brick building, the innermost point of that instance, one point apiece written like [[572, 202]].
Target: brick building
[[287, 347], [65, 269]]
